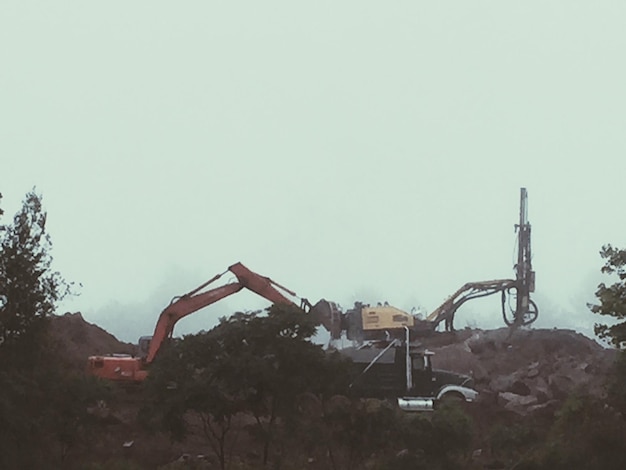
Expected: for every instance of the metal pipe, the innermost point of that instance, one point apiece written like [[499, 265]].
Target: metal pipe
[[409, 365]]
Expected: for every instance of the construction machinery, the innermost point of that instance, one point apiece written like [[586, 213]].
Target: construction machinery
[[364, 323], [133, 369], [402, 371], [519, 289], [359, 324]]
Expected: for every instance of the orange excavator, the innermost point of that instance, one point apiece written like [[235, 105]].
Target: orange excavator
[[133, 369]]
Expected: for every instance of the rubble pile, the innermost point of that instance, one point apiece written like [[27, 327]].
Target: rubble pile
[[525, 370]]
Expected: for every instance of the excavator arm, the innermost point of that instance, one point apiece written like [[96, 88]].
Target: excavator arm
[[265, 287], [181, 307], [471, 290], [525, 311], [195, 300], [132, 370]]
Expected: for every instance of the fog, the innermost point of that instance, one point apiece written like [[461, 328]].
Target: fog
[[348, 150]]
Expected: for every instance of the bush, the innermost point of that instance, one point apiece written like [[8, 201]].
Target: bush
[[586, 434]]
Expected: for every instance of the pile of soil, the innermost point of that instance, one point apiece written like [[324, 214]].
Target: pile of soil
[[77, 339]]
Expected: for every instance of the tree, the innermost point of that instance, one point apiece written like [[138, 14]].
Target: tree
[[252, 364], [612, 298], [29, 288], [585, 434], [31, 382]]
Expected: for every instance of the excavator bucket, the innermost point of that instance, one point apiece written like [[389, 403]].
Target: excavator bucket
[[328, 314]]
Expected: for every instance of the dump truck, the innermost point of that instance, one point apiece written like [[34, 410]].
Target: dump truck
[[403, 372]]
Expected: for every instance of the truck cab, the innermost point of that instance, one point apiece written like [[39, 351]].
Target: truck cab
[[402, 372]]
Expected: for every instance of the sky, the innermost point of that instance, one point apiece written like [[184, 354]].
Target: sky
[[349, 150]]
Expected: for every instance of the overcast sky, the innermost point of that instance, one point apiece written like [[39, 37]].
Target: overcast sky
[[350, 150]]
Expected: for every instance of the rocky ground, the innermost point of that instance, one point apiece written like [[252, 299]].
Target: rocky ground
[[525, 370]]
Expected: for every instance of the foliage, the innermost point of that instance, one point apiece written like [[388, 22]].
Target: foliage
[[452, 431], [19, 420], [511, 440], [447, 433], [264, 367], [436, 441], [42, 409], [43, 414], [249, 363], [586, 434], [613, 297], [616, 384], [67, 415], [113, 465], [359, 429], [373, 433], [29, 288]]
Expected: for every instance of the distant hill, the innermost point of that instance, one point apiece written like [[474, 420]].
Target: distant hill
[[78, 339]]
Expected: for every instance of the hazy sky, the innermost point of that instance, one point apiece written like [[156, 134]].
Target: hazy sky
[[350, 150]]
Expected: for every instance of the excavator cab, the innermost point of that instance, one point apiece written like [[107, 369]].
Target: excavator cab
[[144, 346]]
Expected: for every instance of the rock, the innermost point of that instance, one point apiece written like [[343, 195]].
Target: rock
[[532, 373], [517, 403], [520, 388], [502, 383], [560, 385], [480, 373], [509, 397], [528, 400], [403, 453], [542, 397], [549, 406], [541, 387]]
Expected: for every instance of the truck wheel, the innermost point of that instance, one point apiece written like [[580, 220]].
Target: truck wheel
[[451, 399]]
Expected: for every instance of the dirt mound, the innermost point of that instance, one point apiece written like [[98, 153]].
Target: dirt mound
[[77, 339]]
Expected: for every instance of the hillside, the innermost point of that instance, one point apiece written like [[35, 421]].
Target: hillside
[[78, 339]]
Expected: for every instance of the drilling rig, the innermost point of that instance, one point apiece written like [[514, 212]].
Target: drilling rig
[[513, 291], [366, 323], [526, 310]]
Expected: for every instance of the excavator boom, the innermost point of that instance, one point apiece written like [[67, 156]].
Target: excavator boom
[[195, 300], [264, 286], [182, 307], [471, 290], [132, 369]]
